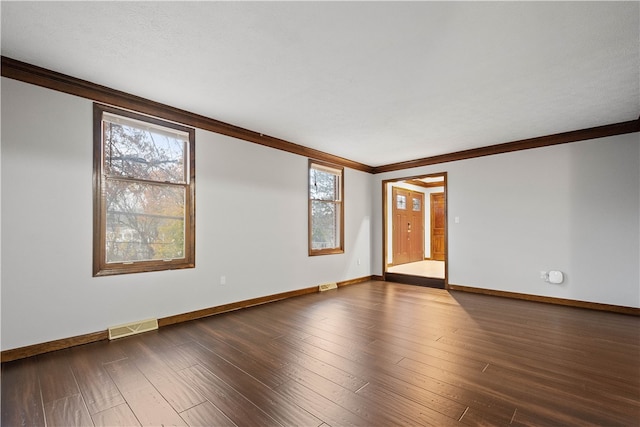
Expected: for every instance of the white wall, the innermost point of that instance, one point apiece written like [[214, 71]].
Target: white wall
[[572, 207], [251, 226]]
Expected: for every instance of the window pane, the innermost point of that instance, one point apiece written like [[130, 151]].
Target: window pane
[[416, 205], [325, 225], [147, 154], [323, 185], [144, 222], [401, 202]]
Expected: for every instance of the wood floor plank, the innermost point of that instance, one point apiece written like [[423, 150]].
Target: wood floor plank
[[173, 388], [242, 348], [266, 317], [206, 415], [444, 396], [337, 334], [599, 407], [526, 417], [147, 404], [233, 404], [428, 355], [98, 389], [120, 415], [476, 417], [297, 359], [321, 407], [418, 413], [309, 350], [56, 378], [260, 395], [68, 411], [514, 388], [353, 352], [101, 352], [126, 375], [180, 395], [151, 409], [375, 411], [406, 382], [503, 356], [288, 357], [560, 352], [254, 331], [21, 398], [372, 354], [178, 360], [260, 368]]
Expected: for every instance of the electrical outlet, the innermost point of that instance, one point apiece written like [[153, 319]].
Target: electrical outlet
[[223, 280], [359, 261]]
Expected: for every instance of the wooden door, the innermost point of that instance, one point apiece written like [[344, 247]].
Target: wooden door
[[408, 226], [417, 226], [438, 226]]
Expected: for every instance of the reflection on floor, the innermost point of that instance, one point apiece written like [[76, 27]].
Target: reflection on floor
[[421, 268]]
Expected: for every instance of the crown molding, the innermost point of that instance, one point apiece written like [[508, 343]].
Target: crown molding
[[49, 79], [524, 144], [43, 77]]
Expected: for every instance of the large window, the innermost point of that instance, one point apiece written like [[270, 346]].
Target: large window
[[144, 193], [326, 209]]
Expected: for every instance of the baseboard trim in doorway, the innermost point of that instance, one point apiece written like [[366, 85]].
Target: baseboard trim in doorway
[[61, 344], [408, 279], [549, 300]]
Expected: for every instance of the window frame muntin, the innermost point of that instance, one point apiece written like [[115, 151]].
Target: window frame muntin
[[328, 251], [100, 266]]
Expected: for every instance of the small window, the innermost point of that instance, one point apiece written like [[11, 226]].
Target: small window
[[401, 202], [417, 205], [326, 209], [144, 193]]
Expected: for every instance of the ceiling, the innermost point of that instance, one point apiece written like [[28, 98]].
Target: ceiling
[[373, 82]]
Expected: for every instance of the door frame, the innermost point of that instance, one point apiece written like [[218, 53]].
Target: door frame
[[386, 219]]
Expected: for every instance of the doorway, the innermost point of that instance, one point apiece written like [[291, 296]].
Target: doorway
[[415, 233]]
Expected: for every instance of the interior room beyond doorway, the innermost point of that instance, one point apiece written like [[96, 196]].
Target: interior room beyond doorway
[[426, 268], [415, 229]]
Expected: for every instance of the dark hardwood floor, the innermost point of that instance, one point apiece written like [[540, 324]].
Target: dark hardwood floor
[[372, 354]]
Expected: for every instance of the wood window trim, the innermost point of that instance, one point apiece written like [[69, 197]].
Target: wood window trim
[[340, 248], [100, 266]]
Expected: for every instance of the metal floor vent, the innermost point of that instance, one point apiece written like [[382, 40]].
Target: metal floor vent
[[132, 328], [327, 286]]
